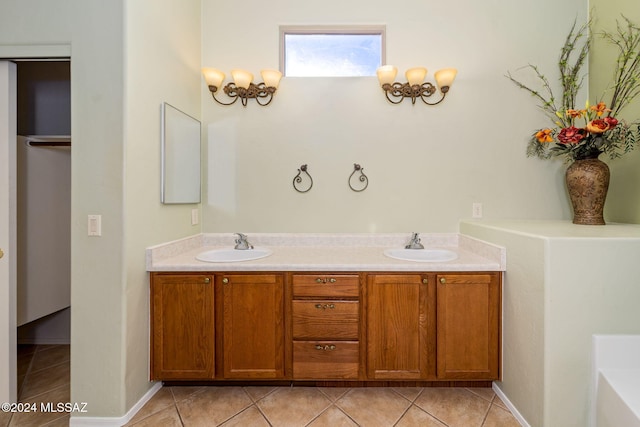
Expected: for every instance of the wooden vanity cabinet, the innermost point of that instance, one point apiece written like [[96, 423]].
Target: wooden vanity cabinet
[[398, 328], [182, 326], [253, 325], [468, 326], [322, 326], [325, 326]]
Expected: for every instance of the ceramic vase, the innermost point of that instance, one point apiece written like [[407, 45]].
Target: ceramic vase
[[588, 183]]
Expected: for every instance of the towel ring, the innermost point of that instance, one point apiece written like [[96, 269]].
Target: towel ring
[[297, 180], [362, 178]]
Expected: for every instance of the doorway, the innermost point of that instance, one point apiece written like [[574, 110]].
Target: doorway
[[36, 273]]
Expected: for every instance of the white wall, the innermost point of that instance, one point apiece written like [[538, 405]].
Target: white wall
[[115, 119], [162, 64], [426, 165], [563, 284], [623, 200]]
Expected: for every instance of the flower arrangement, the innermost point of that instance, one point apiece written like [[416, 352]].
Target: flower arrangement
[[586, 133]]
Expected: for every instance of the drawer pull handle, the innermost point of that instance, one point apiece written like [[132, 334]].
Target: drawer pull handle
[[325, 306], [325, 280], [325, 347]]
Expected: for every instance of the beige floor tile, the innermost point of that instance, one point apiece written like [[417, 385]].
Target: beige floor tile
[[168, 417], [213, 406], [499, 402], [257, 392], [456, 407], [40, 418], [484, 392], [4, 418], [249, 417], [50, 357], [417, 417], [24, 363], [409, 392], [373, 406], [293, 406], [333, 417], [185, 392], [60, 422], [498, 417], [39, 382], [161, 400], [334, 393]]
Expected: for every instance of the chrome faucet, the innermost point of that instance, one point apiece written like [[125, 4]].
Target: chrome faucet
[[242, 243], [414, 243]]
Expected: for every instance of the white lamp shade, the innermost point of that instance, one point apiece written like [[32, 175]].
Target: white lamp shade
[[445, 77], [271, 78], [242, 78], [386, 74], [213, 77], [416, 75]]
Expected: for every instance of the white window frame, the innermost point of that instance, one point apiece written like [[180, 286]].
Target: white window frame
[[332, 29]]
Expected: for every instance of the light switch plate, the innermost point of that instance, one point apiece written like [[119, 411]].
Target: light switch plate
[[94, 225], [195, 220]]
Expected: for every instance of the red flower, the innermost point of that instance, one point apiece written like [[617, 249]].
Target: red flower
[[612, 122], [571, 135]]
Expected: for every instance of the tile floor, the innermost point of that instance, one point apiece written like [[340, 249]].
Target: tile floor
[[43, 376]]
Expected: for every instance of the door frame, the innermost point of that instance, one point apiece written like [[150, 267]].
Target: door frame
[[8, 232], [8, 202]]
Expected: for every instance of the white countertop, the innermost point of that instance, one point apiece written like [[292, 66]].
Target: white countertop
[[560, 229], [326, 252]]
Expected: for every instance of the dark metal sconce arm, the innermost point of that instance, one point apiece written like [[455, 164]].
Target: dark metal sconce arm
[[259, 92], [400, 91]]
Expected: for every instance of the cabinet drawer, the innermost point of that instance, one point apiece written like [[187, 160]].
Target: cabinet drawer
[[325, 359], [325, 285], [325, 319]]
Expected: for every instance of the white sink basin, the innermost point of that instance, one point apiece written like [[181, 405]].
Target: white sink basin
[[421, 255], [233, 255]]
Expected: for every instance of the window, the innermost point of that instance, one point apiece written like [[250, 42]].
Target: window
[[331, 51]]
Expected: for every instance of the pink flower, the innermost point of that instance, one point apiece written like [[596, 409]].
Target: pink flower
[[571, 135]]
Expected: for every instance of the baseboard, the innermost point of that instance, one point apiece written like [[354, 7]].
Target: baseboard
[[517, 415], [45, 341], [115, 421]]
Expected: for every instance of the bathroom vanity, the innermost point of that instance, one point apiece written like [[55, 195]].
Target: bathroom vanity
[[326, 309]]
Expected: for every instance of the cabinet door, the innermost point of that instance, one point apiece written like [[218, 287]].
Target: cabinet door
[[182, 327], [396, 309], [253, 325], [468, 326]]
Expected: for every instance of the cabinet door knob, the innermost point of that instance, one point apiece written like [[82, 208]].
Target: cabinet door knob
[[225, 280], [319, 280], [443, 280], [425, 280], [332, 280], [207, 280]]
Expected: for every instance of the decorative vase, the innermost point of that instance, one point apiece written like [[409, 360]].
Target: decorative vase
[[588, 181]]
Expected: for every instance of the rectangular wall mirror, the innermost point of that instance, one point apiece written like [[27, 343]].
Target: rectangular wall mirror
[[180, 156]]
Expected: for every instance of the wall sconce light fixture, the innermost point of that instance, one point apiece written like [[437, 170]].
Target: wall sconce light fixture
[[242, 86], [416, 87]]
